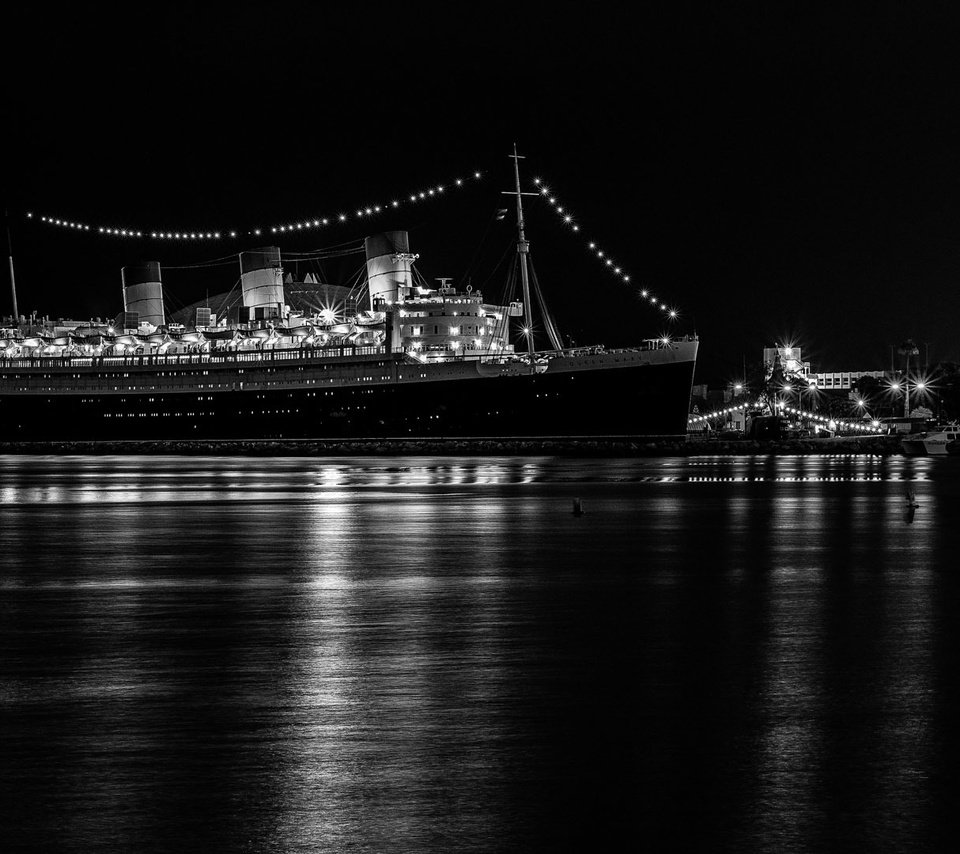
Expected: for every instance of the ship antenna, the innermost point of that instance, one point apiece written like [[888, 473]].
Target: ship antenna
[[523, 247], [13, 281]]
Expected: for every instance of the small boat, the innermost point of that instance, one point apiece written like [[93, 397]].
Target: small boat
[[935, 442]]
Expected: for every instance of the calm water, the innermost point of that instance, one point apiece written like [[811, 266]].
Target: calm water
[[434, 654]]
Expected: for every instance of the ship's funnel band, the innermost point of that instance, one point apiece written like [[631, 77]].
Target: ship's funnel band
[[139, 274], [388, 243], [267, 258]]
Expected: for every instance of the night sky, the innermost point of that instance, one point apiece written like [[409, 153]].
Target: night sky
[[775, 175]]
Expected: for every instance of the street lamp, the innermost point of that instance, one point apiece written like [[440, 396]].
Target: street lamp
[[918, 385]]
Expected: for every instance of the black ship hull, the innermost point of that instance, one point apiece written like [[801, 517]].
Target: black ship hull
[[638, 395]]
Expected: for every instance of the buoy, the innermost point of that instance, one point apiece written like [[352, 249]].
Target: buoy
[[577, 507]]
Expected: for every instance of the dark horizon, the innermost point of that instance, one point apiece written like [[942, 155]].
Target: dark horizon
[[773, 175]]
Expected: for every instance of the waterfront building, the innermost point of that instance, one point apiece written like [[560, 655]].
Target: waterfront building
[[842, 380]]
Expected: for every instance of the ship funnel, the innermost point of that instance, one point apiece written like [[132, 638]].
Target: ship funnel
[[388, 266], [143, 293], [261, 279]]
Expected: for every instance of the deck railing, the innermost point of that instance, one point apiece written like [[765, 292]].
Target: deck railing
[[299, 354], [240, 357]]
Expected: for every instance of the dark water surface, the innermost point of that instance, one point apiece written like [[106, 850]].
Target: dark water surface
[[434, 654]]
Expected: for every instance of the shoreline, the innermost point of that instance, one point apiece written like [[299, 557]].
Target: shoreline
[[617, 447]]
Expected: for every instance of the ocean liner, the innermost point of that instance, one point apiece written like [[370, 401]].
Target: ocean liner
[[281, 359]]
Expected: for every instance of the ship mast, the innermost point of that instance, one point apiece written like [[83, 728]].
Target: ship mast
[[523, 251], [13, 281], [523, 248]]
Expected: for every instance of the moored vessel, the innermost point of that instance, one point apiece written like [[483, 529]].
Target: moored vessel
[[390, 356], [936, 442]]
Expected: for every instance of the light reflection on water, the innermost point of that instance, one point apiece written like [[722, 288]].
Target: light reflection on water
[[25, 480], [752, 653]]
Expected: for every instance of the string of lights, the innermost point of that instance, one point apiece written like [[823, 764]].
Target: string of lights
[[696, 419], [117, 231], [612, 266], [823, 419], [833, 423], [313, 223], [373, 210]]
